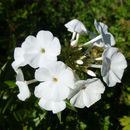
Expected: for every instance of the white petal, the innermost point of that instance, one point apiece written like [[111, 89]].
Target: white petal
[[58, 106], [44, 38], [30, 44], [43, 74], [20, 76], [100, 27], [32, 51], [45, 60], [77, 100], [47, 105], [52, 91], [95, 86], [18, 59], [54, 47], [56, 68], [113, 79], [118, 61], [109, 51], [24, 92], [90, 98], [67, 78]]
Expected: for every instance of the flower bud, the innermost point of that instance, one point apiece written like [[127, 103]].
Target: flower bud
[[91, 73]]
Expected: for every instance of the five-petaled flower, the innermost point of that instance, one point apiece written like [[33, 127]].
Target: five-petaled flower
[[77, 28], [113, 66], [86, 92], [41, 50]]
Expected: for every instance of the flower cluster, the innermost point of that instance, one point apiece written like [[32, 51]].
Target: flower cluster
[[58, 71]]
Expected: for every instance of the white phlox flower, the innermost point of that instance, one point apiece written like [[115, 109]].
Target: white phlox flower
[[113, 66], [56, 81], [77, 28], [105, 38], [86, 92], [53, 106], [19, 59], [24, 92], [42, 49]]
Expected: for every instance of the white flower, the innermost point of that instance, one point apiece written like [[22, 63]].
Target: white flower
[[86, 92], [57, 81], [113, 66], [53, 106], [105, 38], [24, 92], [76, 27], [18, 59], [42, 49]]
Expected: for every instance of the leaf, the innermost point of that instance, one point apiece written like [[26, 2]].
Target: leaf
[[3, 68], [68, 105], [11, 84], [59, 117], [125, 122]]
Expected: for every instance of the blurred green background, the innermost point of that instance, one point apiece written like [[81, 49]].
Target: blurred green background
[[20, 18]]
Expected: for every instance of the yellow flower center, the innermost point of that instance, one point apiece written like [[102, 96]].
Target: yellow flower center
[[55, 79], [43, 50], [83, 88]]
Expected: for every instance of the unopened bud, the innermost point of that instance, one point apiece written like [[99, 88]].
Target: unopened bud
[[80, 62], [91, 73]]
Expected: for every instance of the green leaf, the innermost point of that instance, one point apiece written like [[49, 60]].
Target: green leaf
[[11, 84], [68, 105], [59, 117]]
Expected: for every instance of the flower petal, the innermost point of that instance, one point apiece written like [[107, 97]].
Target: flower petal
[[43, 74], [77, 100], [44, 38], [58, 106], [47, 105], [20, 76], [24, 92], [67, 78]]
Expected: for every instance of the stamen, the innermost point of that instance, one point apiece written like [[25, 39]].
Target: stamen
[[43, 50], [55, 79]]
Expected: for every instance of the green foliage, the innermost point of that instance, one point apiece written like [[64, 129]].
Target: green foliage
[[125, 122], [20, 18]]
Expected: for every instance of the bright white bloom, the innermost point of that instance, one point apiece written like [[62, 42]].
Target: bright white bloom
[[86, 92], [18, 59], [53, 106], [57, 81], [42, 49], [24, 92], [113, 66], [107, 37], [76, 27], [104, 39]]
